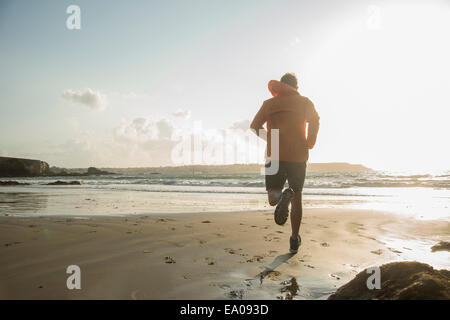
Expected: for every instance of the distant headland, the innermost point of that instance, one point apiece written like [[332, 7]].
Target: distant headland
[[18, 167], [236, 168]]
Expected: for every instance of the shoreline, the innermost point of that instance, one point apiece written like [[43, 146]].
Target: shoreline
[[80, 201], [233, 255]]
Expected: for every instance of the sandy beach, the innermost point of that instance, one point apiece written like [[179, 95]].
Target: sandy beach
[[238, 255]]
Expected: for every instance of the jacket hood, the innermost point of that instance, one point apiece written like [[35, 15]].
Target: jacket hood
[[277, 88]]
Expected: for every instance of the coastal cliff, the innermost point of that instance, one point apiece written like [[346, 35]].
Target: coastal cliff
[[17, 167]]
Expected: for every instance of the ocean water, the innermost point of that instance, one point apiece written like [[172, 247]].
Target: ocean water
[[423, 196]]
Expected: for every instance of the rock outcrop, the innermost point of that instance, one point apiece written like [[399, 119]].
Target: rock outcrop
[[13, 183], [62, 172], [64, 183], [95, 171], [17, 167], [399, 281], [441, 246]]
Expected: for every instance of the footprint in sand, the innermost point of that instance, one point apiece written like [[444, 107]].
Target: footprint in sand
[[377, 252], [325, 244], [236, 294], [273, 275], [367, 237], [206, 221], [357, 224], [230, 250], [169, 260], [210, 261], [11, 243], [335, 276], [394, 251], [271, 237], [220, 285], [256, 258]]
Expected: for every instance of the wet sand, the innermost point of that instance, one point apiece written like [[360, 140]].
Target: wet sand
[[238, 255]]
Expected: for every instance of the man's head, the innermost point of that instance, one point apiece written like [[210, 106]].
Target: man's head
[[290, 79]]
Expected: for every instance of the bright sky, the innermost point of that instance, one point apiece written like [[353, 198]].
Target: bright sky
[[112, 93]]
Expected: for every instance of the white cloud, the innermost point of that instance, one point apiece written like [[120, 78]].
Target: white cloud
[[88, 97], [145, 141], [143, 130], [159, 142], [184, 114], [241, 124]]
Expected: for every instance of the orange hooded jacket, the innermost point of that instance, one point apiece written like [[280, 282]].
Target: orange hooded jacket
[[289, 112]]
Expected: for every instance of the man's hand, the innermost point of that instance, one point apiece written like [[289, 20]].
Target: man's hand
[[260, 132], [311, 141]]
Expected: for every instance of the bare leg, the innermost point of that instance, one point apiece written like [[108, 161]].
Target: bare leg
[[274, 196], [296, 213]]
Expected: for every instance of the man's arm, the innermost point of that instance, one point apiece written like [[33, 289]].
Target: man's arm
[[258, 122], [313, 119]]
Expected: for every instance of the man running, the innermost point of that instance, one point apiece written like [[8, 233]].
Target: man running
[[293, 115]]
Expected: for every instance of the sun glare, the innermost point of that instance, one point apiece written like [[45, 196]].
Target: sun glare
[[385, 90]]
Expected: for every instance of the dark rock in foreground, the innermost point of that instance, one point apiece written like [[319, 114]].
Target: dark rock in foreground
[[17, 167], [399, 281], [441, 246], [63, 183], [13, 183]]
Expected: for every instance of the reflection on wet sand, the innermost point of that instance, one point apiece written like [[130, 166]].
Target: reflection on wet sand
[[290, 287], [21, 202], [270, 269]]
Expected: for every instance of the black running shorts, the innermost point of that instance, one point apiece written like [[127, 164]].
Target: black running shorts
[[293, 172]]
